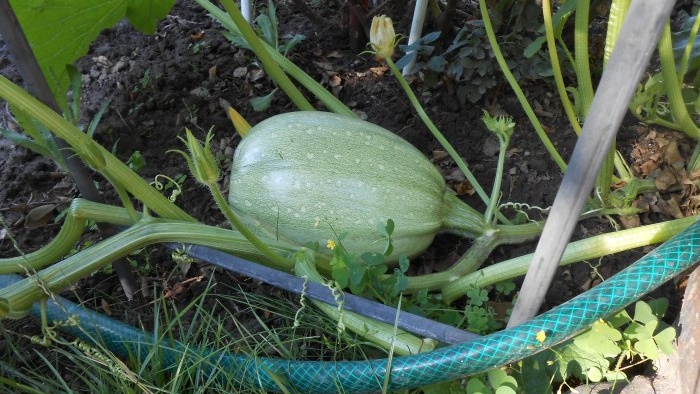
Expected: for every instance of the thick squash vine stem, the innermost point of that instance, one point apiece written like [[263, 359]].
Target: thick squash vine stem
[[110, 167], [586, 249], [441, 365], [580, 63], [36, 83], [618, 83]]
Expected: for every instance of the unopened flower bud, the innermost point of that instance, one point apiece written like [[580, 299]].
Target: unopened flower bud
[[201, 161], [382, 37]]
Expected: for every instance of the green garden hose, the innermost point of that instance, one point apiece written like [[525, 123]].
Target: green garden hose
[[448, 363]]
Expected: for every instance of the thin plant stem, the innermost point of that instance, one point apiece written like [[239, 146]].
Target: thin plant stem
[[582, 66], [498, 178], [518, 91], [436, 132], [692, 34], [271, 67], [672, 86], [221, 202], [328, 99], [556, 68]]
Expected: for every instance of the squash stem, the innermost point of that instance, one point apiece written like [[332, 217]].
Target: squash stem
[[556, 68], [278, 261], [326, 97], [488, 240], [113, 169], [16, 299], [459, 218], [470, 261], [589, 248], [436, 133]]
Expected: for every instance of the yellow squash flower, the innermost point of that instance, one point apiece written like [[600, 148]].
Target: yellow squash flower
[[331, 244], [541, 336]]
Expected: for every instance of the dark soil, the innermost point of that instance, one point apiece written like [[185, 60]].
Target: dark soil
[[159, 85]]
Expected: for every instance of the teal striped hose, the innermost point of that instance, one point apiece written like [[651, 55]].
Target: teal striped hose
[[448, 363]]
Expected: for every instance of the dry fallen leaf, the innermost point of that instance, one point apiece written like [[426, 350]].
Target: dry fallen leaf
[[39, 216], [630, 221], [665, 179], [440, 155], [105, 307], [464, 188]]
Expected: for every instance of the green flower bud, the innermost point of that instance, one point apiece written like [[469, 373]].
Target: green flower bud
[[502, 126], [201, 161]]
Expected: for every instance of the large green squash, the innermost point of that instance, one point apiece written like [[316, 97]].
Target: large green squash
[[312, 176]]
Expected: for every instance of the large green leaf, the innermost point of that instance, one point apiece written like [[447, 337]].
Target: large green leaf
[[145, 14], [61, 31]]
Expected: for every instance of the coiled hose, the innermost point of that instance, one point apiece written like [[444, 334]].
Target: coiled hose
[[448, 363]]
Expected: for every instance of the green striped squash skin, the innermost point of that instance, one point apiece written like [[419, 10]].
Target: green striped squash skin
[[311, 176]]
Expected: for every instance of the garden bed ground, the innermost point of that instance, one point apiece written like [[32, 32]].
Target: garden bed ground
[[158, 85]]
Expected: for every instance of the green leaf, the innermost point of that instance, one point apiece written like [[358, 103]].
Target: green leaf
[[372, 258], [665, 340], [26, 142], [620, 319], [401, 285], [536, 373], [658, 307], [136, 161], [291, 43], [389, 228], [647, 347], [640, 331], [643, 313], [534, 46], [601, 339], [389, 249], [61, 31], [498, 379], [576, 359], [404, 264], [612, 376], [594, 374], [261, 103], [356, 278], [340, 272], [477, 386], [145, 14]]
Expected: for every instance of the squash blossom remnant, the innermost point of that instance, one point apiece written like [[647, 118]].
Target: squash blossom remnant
[[201, 161], [331, 244], [382, 37], [541, 336]]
